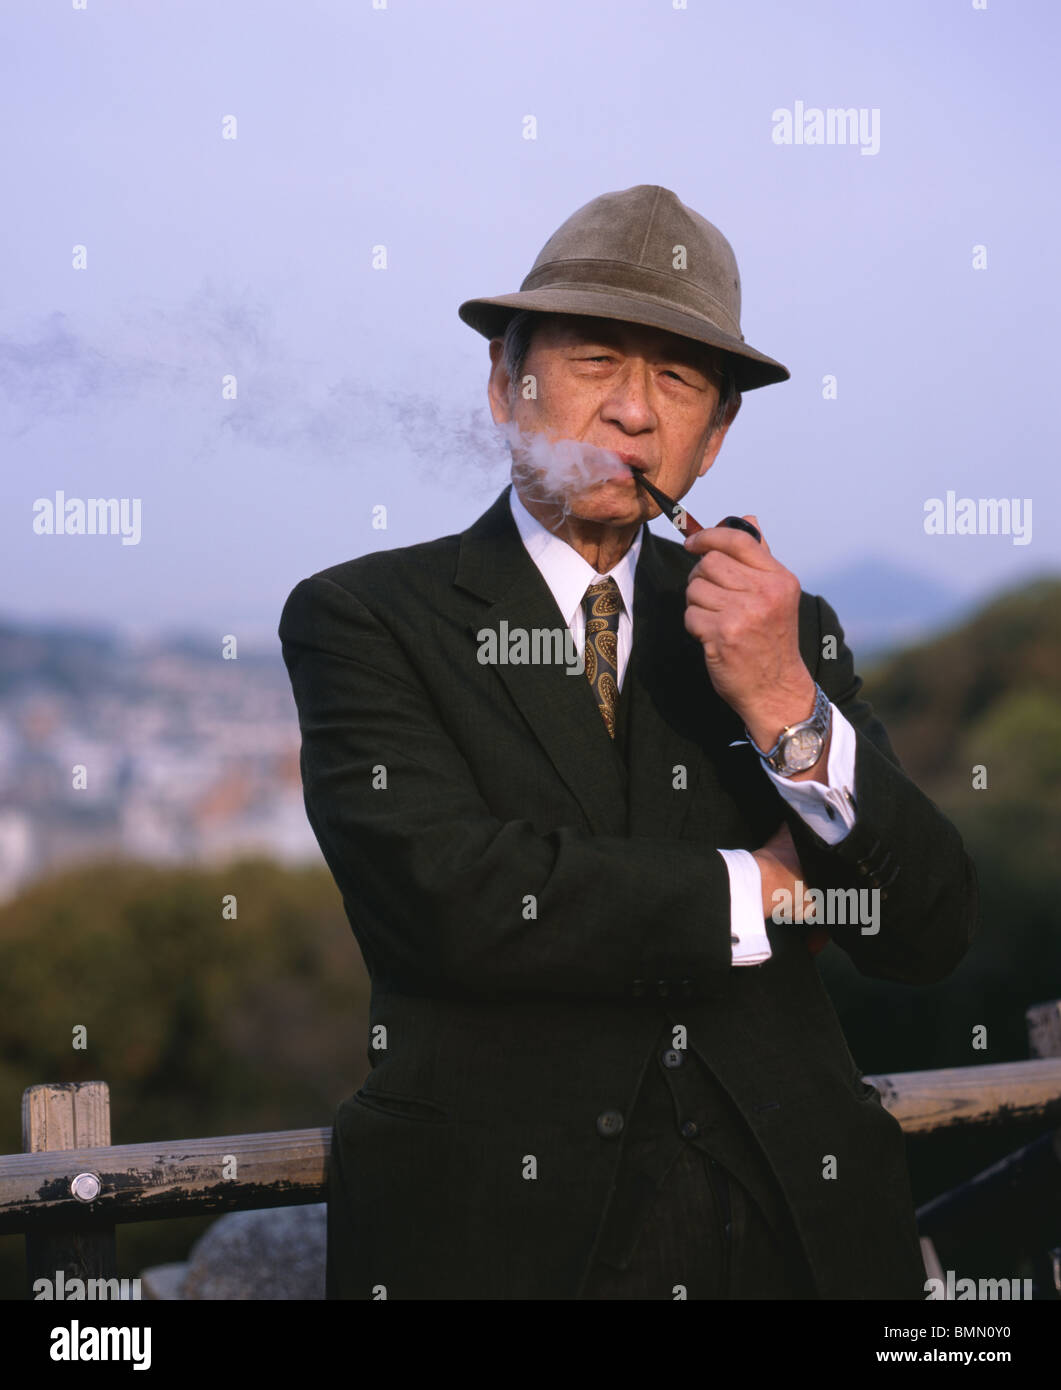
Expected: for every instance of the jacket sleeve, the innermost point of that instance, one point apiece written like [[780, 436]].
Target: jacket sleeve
[[442, 895], [901, 845]]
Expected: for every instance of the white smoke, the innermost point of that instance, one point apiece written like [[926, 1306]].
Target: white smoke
[[553, 471]]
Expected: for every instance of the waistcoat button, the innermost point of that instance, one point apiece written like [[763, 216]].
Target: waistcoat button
[[609, 1124]]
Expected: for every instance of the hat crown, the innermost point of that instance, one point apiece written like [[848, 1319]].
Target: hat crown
[[647, 228], [638, 256]]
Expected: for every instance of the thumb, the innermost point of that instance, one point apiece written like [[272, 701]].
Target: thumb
[[758, 526]]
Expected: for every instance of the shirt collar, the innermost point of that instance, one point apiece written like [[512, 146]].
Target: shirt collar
[[567, 574]]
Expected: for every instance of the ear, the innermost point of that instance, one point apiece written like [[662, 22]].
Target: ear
[[498, 385], [714, 443]]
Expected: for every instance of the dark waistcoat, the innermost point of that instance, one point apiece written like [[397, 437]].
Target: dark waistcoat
[[679, 1102]]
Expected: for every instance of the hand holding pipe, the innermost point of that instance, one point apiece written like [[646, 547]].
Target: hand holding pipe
[[818, 937]]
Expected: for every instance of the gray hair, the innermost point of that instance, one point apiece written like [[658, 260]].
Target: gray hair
[[516, 342]]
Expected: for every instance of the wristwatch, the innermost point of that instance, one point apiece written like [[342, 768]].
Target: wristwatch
[[800, 745]]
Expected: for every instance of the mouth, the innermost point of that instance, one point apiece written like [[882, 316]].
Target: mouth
[[634, 463]]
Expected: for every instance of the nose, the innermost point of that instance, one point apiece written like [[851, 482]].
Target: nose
[[627, 403]]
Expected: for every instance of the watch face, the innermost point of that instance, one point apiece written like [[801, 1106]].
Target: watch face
[[802, 750]]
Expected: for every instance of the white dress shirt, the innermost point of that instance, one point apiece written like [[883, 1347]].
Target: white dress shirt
[[828, 810]]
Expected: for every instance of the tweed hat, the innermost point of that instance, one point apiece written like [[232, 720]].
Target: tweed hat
[[644, 257]]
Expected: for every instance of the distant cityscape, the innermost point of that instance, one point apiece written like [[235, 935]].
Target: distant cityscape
[[187, 756]]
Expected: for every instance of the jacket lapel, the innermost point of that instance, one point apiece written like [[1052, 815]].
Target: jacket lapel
[[559, 708], [673, 711], [676, 718]]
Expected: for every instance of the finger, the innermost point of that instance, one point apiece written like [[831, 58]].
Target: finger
[[723, 570], [737, 544], [781, 836], [733, 600], [758, 526], [783, 846], [703, 596]]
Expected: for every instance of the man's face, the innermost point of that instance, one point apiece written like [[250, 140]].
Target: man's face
[[638, 391]]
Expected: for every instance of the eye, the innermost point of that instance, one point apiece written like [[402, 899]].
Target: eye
[[694, 382]]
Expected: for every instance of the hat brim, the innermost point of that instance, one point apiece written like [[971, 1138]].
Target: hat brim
[[751, 368]]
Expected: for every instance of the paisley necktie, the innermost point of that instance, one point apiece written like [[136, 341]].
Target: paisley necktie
[[601, 604]]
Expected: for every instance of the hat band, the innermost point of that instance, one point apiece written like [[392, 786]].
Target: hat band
[[642, 281]]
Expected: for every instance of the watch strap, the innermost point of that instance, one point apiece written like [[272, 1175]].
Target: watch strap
[[820, 720]]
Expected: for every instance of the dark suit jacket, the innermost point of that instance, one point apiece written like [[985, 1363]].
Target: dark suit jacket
[[498, 1036]]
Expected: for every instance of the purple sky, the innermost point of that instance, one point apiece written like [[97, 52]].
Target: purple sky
[[404, 126]]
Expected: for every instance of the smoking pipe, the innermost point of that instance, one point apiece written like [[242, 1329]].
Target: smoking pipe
[[674, 511]]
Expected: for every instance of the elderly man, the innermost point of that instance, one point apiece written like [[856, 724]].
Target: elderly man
[[602, 1066]]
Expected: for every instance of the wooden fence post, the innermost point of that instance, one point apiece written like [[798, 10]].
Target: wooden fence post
[[70, 1115], [1044, 1029], [1044, 1040]]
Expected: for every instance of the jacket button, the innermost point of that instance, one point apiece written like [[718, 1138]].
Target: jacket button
[[690, 1129], [863, 868], [662, 988], [637, 989], [687, 988], [673, 1057], [609, 1124]]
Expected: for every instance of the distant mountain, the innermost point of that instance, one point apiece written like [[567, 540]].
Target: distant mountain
[[990, 684], [78, 658], [70, 657], [974, 715], [882, 606]]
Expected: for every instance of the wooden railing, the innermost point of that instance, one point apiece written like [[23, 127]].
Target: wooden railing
[[71, 1187]]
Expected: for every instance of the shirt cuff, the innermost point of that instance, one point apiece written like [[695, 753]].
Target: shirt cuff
[[747, 933], [828, 810]]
